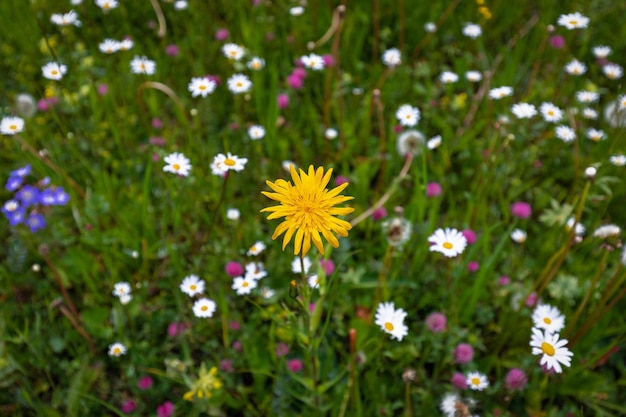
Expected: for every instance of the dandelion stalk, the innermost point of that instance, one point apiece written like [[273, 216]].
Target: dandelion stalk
[[160, 17]]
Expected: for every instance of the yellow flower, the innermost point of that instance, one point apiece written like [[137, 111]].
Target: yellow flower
[[207, 382], [308, 209]]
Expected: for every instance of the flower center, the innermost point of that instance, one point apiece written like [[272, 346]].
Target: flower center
[[256, 65], [447, 245], [143, 66], [547, 320], [54, 72], [573, 22], [244, 284], [202, 87], [176, 167], [117, 351], [233, 53], [13, 127], [547, 348], [388, 327], [192, 287], [550, 113], [475, 381], [239, 84], [204, 308], [229, 162]]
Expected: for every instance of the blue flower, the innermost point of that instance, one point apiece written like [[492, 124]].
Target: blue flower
[[16, 217], [36, 222], [61, 196], [14, 182], [48, 197], [28, 195], [21, 172]]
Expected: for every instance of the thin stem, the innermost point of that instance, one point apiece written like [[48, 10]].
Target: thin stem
[[583, 304], [160, 17]]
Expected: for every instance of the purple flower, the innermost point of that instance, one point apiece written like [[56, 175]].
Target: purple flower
[[237, 345], [102, 89], [515, 380], [463, 353], [172, 50], [379, 213], [48, 197], [234, 269], [470, 236], [157, 123], [226, 365], [174, 329], [299, 73], [281, 349], [234, 325], [128, 406], [165, 410], [459, 380], [144, 383], [473, 266], [557, 41], [61, 197], [521, 210], [28, 195], [504, 280], [283, 100], [221, 34], [531, 300], [329, 60], [21, 172], [328, 266], [16, 217], [294, 365], [341, 179], [433, 189], [35, 222], [13, 183], [436, 322], [295, 82]]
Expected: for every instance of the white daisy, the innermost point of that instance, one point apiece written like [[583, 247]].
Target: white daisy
[[109, 46], [518, 236], [267, 292], [107, 5], [53, 71], [589, 113], [239, 83], [472, 30], [65, 19], [408, 115], [618, 160], [391, 320], [548, 318], [553, 351], [204, 308], [255, 270], [448, 77], [550, 112], [430, 27], [142, 65], [256, 249], [243, 285], [477, 381], [331, 133], [256, 63], [126, 44], [256, 132], [434, 142], [392, 57], [313, 61], [125, 299], [613, 71], [296, 11], [192, 285], [11, 125], [449, 242], [223, 163], [500, 92], [565, 133], [595, 134], [233, 51], [177, 163], [524, 110], [313, 281], [621, 102], [607, 230], [602, 51], [573, 21], [473, 76], [575, 68], [180, 5], [296, 266], [201, 86], [117, 349], [587, 96], [121, 288]]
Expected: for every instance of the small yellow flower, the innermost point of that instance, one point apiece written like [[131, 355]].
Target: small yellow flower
[[206, 383], [308, 209]]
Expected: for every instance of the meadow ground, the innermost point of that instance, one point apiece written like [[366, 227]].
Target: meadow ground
[[272, 208]]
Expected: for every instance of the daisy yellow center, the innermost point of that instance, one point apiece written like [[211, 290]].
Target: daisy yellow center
[[204, 308], [256, 65], [244, 284], [233, 53], [547, 320], [447, 245], [573, 22], [54, 72], [230, 162], [575, 70], [192, 287], [143, 66], [109, 50], [547, 348], [106, 6], [388, 327], [550, 113], [202, 87], [176, 167], [13, 127], [475, 381], [117, 351], [239, 84]]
